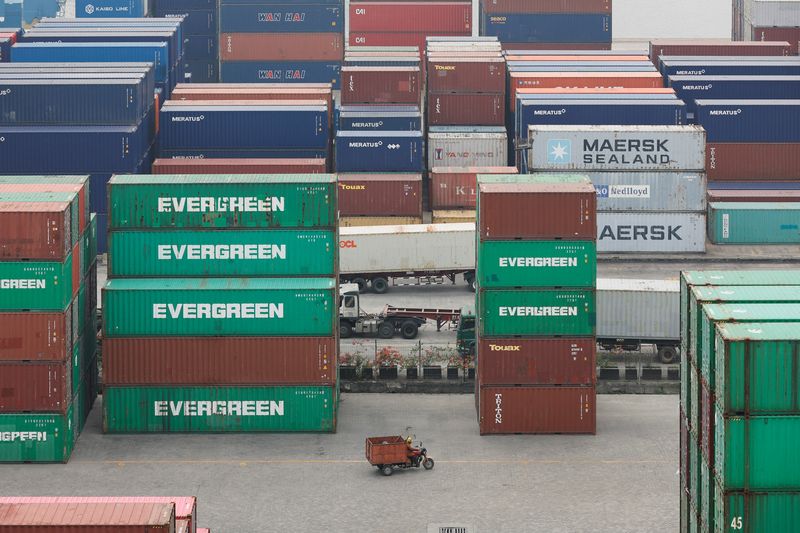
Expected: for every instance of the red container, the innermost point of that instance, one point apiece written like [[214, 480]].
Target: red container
[[752, 161], [790, 35], [35, 230], [506, 410], [35, 387], [464, 75], [87, 517], [570, 58], [36, 336], [531, 211], [450, 109], [542, 361], [454, 187], [219, 361], [81, 190], [380, 195], [376, 38], [423, 17], [737, 195], [239, 166], [281, 46], [707, 399], [546, 6], [716, 47], [381, 85], [555, 46]]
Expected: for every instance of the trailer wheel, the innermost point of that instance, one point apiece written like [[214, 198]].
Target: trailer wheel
[[385, 330], [380, 285], [345, 330], [472, 283], [667, 354], [386, 470], [361, 282], [409, 329]]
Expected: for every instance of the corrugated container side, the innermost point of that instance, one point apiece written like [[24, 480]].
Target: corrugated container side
[[456, 187], [239, 166], [376, 85], [536, 264], [422, 17], [507, 410], [89, 517], [39, 438], [650, 191], [465, 109], [30, 336], [752, 161], [461, 149], [537, 361], [638, 309], [348, 222], [559, 312], [655, 231], [546, 6], [715, 47], [380, 195], [754, 222], [466, 75], [35, 230], [281, 46]]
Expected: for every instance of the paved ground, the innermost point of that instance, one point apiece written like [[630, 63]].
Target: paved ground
[[621, 480]]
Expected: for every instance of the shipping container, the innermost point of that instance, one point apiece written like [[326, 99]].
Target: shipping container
[[752, 161], [458, 146], [546, 6], [545, 361], [88, 517], [301, 72], [280, 17], [510, 410], [380, 119], [547, 48], [516, 263], [635, 311], [739, 88], [33, 387], [222, 201], [466, 109], [281, 47], [380, 85], [455, 187], [751, 195], [380, 195], [714, 67], [551, 28], [453, 216], [368, 151], [219, 409], [219, 361], [421, 17], [731, 121], [559, 312], [36, 230], [754, 223], [651, 231], [715, 47], [649, 191], [76, 184], [31, 336], [466, 75], [37, 438], [379, 38], [239, 166], [788, 34], [349, 222], [39, 285]]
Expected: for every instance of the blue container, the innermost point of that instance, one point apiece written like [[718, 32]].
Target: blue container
[[102, 233], [394, 151], [381, 119], [35, 10], [280, 18], [243, 127], [5, 50], [280, 72], [547, 27], [201, 71], [195, 21], [98, 199], [691, 88], [161, 5], [12, 14], [676, 67], [199, 47], [750, 121], [599, 96], [755, 185], [110, 8]]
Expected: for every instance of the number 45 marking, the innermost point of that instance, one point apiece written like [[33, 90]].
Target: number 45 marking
[[736, 523]]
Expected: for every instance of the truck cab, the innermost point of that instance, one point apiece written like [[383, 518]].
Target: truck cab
[[465, 335]]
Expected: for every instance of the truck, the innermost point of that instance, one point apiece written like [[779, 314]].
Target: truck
[[378, 257]]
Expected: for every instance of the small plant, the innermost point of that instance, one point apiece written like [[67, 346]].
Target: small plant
[[388, 357], [440, 354]]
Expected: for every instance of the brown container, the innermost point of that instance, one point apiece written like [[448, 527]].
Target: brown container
[[239, 166], [227, 86], [454, 187], [555, 46], [378, 221], [531, 211], [380, 38], [219, 360], [752, 161], [570, 58], [244, 102], [380, 85], [466, 109], [466, 75], [546, 6], [281, 46], [542, 361], [505, 410], [715, 47], [35, 230], [757, 195], [87, 517], [36, 336], [380, 195], [790, 35], [81, 190], [35, 387]]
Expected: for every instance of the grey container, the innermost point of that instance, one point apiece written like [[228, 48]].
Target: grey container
[[638, 309], [650, 191], [651, 232], [660, 148], [772, 13], [480, 146]]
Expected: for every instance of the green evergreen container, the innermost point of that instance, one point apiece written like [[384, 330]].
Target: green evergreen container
[[706, 510], [756, 368], [694, 399], [536, 264], [220, 306], [695, 457], [36, 285], [37, 438], [754, 222], [222, 201], [219, 409], [229, 253], [548, 313], [756, 512], [89, 244], [71, 197]]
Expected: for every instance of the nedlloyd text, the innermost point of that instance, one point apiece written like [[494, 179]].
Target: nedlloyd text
[[23, 284], [538, 261], [23, 436], [224, 204], [211, 408], [169, 252], [218, 310], [538, 311]]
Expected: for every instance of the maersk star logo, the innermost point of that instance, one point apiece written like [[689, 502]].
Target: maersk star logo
[[559, 151]]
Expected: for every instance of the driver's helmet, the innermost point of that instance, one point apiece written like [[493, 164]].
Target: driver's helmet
[[408, 441]]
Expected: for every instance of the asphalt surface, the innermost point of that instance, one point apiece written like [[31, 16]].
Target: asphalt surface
[[624, 479]]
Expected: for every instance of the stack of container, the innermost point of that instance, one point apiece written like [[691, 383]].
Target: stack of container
[[201, 36], [716, 47], [650, 181], [452, 191], [536, 276], [767, 20], [380, 199], [220, 313], [542, 25], [737, 468], [285, 42], [48, 370]]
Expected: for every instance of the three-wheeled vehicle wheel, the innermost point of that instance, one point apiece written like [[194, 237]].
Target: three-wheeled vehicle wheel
[[428, 464], [386, 470]]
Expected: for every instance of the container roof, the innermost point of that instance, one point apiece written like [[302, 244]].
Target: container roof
[[219, 284], [759, 331], [188, 179], [746, 293], [753, 312]]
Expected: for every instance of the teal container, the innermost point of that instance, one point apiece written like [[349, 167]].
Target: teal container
[[694, 399], [219, 409], [549, 313], [754, 222], [686, 380], [229, 253], [756, 512], [695, 457], [38, 285], [37, 438], [503, 264], [89, 244], [222, 201], [220, 306]]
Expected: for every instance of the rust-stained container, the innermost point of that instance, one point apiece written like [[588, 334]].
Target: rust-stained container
[[281, 46], [453, 216], [380, 195], [36, 336], [455, 187], [788, 34], [467, 75], [542, 361], [752, 161], [219, 360], [750, 195], [35, 230], [464, 109], [87, 517], [35, 387], [716, 47], [378, 221], [239, 166], [380, 85], [546, 6], [429, 18], [531, 409], [537, 211], [81, 189]]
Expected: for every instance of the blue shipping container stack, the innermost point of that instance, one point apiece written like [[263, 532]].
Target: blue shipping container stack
[[201, 36]]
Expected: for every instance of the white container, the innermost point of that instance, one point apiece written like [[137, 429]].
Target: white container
[[772, 13], [615, 148], [457, 147], [650, 191], [640, 310], [651, 232]]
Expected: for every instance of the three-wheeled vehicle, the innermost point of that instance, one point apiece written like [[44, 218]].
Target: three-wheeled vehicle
[[388, 453]]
